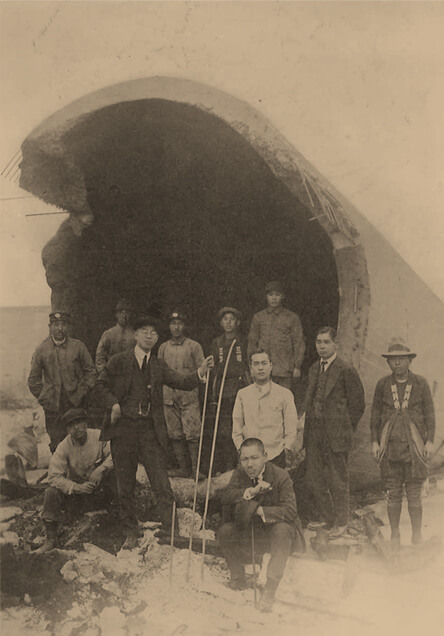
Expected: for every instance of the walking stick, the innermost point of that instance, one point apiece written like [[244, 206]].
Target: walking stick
[[173, 522], [196, 482], [213, 448], [253, 560]]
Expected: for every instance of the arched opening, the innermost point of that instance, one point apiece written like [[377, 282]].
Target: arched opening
[[196, 201], [186, 212]]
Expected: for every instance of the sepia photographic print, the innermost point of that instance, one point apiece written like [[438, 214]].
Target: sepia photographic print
[[221, 318]]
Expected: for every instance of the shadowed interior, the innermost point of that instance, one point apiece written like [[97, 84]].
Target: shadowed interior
[[187, 213]]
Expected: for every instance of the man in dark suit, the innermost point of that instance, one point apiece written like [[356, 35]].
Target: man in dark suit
[[333, 407], [259, 494], [130, 388], [402, 428]]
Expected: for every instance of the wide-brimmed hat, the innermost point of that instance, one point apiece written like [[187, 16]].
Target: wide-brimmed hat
[[146, 321], [229, 310], [398, 347]]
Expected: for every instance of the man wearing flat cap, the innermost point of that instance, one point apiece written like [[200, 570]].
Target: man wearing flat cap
[[278, 331], [62, 375], [79, 474], [237, 376], [181, 408], [118, 338], [130, 388], [402, 428]]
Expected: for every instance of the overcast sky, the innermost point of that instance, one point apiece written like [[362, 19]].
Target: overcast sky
[[358, 88]]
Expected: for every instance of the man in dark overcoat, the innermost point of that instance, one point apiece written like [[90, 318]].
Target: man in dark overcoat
[[261, 495], [130, 388], [402, 428], [334, 405]]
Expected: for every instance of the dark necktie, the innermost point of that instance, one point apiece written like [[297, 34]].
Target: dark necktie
[[255, 481], [144, 363], [323, 365]]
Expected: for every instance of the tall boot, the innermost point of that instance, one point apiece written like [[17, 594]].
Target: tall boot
[[394, 515], [51, 537], [193, 448], [415, 513], [180, 449]]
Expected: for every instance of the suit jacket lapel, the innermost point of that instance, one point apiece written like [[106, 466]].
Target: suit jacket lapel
[[333, 375]]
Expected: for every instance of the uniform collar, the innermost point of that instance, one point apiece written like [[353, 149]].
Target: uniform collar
[[177, 343], [274, 310], [263, 389], [59, 344]]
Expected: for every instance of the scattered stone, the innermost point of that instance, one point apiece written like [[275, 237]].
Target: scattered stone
[[10, 537], [69, 572], [187, 522]]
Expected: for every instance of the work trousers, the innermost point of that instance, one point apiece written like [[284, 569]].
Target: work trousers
[[327, 478], [183, 421], [55, 501], [226, 456], [399, 475], [138, 443], [275, 538]]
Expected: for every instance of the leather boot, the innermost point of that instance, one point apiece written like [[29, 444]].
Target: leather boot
[[415, 513], [180, 449], [51, 538], [193, 448]]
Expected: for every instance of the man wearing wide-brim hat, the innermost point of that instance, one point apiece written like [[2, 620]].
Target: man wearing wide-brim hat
[[402, 433], [130, 389]]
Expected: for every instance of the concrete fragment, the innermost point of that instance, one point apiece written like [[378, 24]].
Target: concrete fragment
[[111, 621]]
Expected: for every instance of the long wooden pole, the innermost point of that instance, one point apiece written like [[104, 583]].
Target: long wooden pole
[[213, 448], [196, 482], [173, 523]]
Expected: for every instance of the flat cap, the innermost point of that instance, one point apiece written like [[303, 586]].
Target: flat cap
[[229, 310], [73, 415], [124, 304], [54, 316], [275, 286]]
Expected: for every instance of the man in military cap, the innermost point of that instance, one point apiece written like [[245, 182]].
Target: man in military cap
[[130, 388], [181, 408], [278, 331], [62, 375], [117, 339], [78, 474], [402, 428], [237, 376]]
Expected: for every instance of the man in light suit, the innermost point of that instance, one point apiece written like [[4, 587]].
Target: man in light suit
[[333, 407]]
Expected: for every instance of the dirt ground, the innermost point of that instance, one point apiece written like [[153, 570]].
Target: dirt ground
[[95, 589]]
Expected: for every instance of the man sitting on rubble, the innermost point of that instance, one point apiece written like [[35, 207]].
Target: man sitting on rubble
[[79, 474], [259, 499]]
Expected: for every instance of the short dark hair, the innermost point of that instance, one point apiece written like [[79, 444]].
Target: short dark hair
[[252, 441], [256, 351], [331, 332]]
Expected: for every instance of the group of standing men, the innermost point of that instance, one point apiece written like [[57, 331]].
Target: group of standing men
[[152, 401]]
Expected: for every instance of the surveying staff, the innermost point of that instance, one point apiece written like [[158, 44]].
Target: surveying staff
[[402, 428], [62, 374], [117, 339], [278, 331], [237, 376], [266, 410], [333, 407], [78, 474], [181, 408], [261, 494], [130, 387]]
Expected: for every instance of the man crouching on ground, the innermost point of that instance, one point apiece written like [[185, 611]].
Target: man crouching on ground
[[78, 474], [261, 495]]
